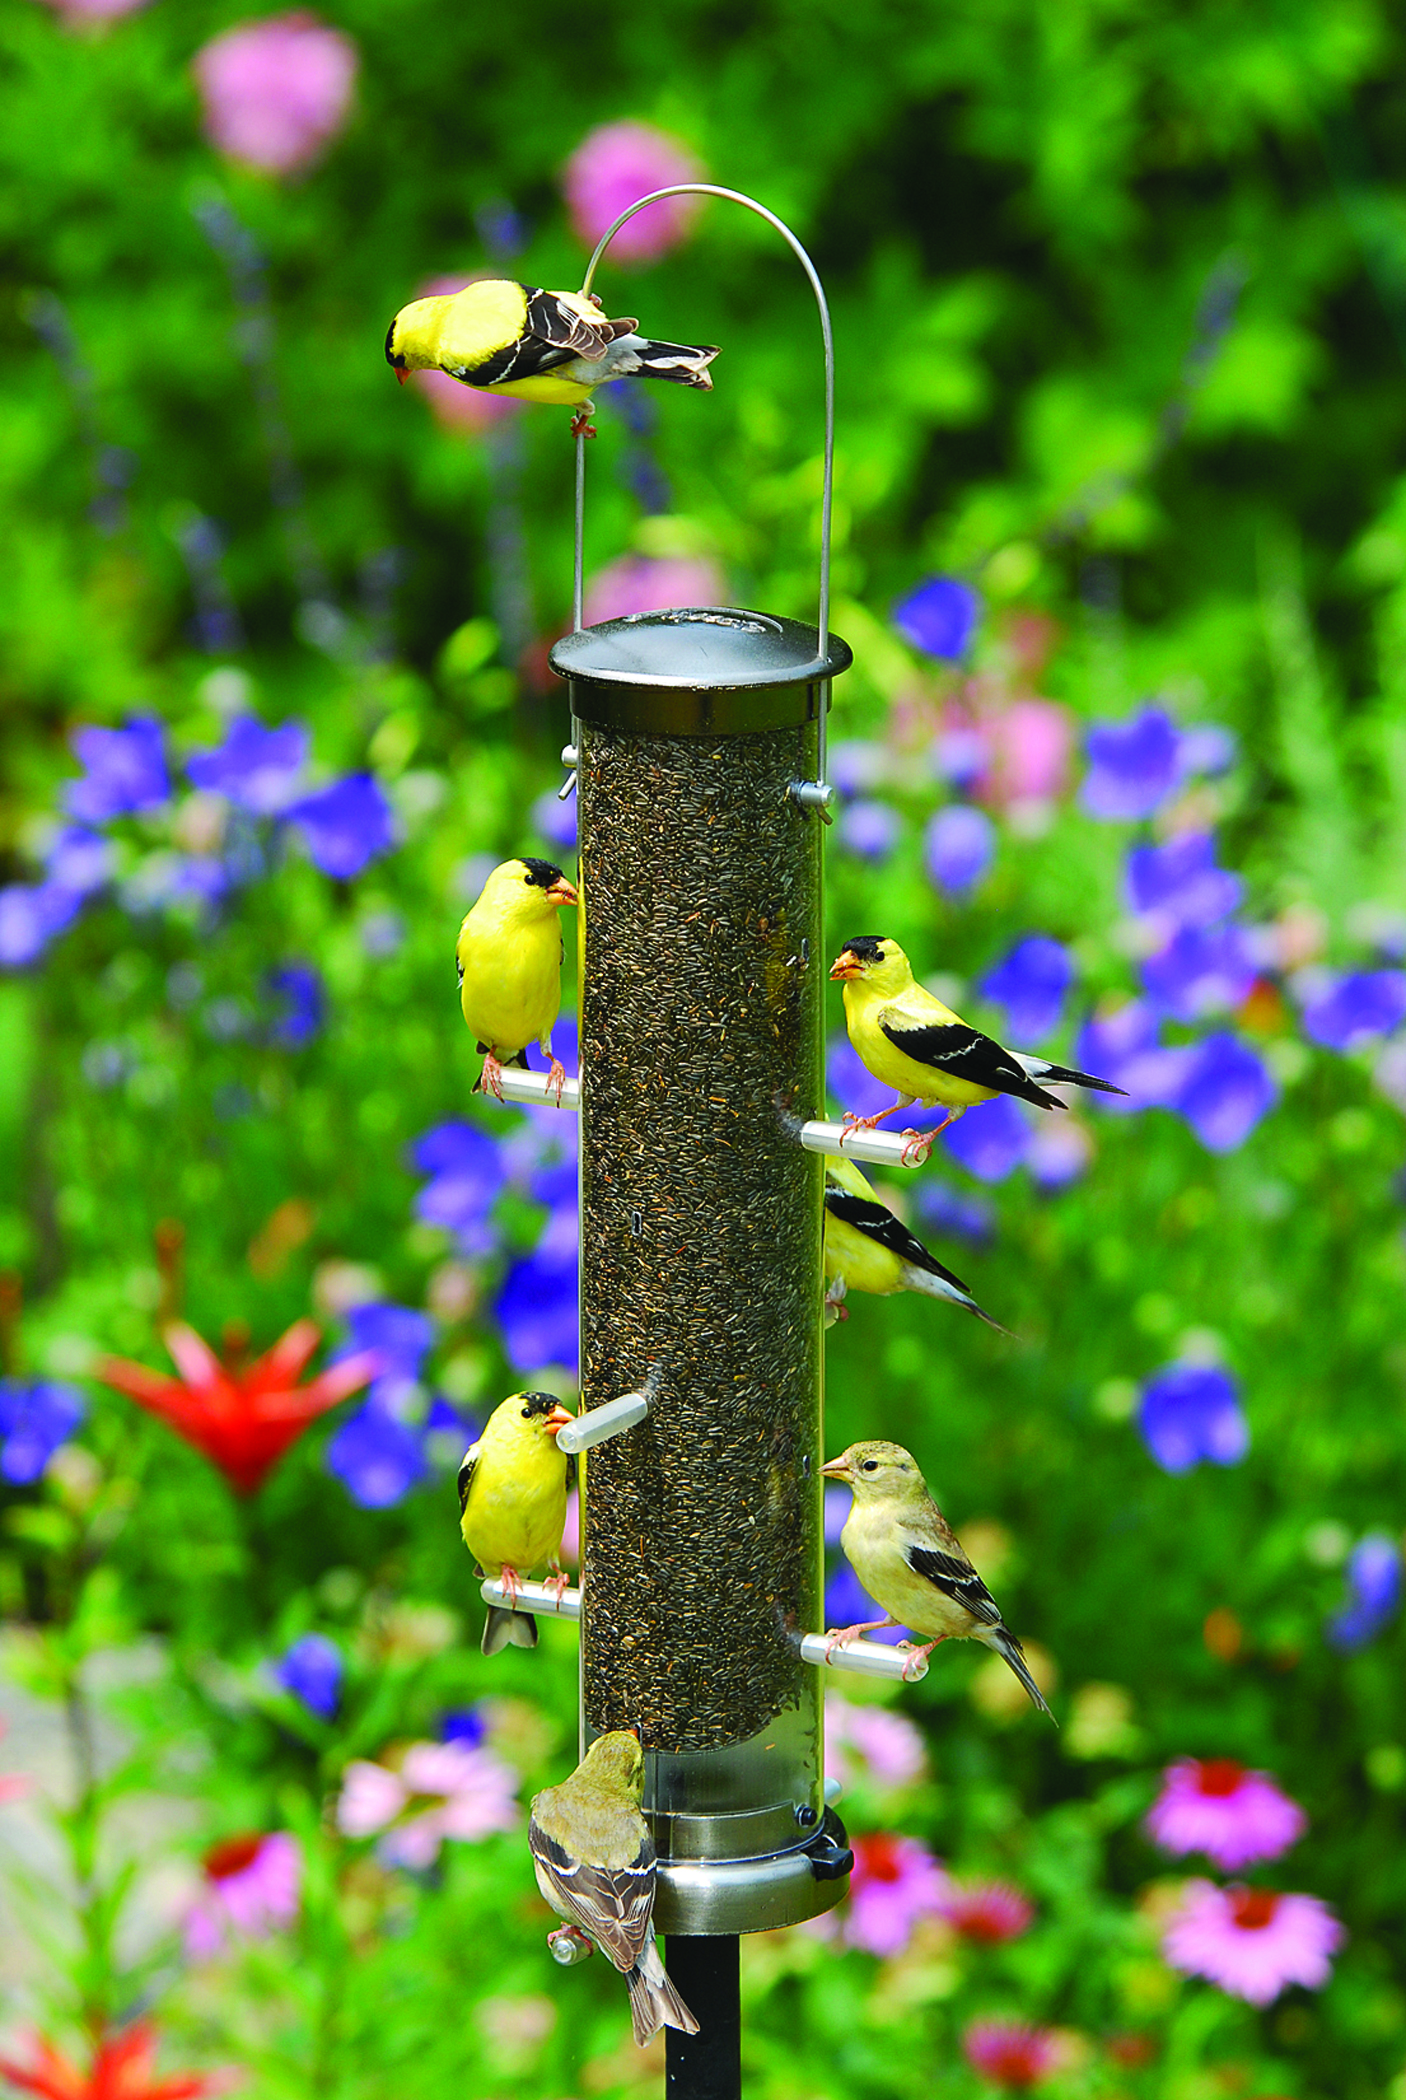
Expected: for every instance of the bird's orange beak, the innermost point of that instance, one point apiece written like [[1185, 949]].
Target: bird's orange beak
[[846, 964], [562, 891], [837, 1468], [401, 374], [558, 1419]]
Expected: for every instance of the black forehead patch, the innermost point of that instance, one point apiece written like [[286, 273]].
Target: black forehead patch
[[541, 873], [867, 946], [391, 357], [537, 1404]]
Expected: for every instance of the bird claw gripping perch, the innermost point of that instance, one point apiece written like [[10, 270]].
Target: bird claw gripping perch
[[581, 424], [556, 1077]]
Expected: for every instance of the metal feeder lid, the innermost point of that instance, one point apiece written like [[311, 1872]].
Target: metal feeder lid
[[698, 670]]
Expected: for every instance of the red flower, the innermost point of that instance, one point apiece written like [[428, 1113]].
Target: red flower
[[242, 1417], [121, 2070]]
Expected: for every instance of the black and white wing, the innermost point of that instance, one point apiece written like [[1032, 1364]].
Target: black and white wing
[[878, 1223], [959, 1051], [553, 322], [614, 1905], [466, 1473], [957, 1579]]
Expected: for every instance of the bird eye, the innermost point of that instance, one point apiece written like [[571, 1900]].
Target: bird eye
[[871, 1465], [527, 1414]]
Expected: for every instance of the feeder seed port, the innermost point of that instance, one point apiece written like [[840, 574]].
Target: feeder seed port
[[862, 1658], [879, 1148], [611, 1418]]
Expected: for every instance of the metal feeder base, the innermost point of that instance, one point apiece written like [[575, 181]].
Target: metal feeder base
[[705, 1897]]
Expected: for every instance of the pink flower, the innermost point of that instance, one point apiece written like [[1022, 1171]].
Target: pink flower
[[1252, 1942], [12, 1784], [1011, 2054], [988, 1911], [454, 406], [895, 1882], [615, 164], [441, 1790], [95, 10], [1031, 743], [639, 583], [251, 1889], [888, 1747], [276, 92], [1215, 1806]]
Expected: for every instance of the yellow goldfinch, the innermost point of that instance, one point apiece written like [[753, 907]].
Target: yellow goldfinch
[[595, 1866], [510, 955], [911, 1041], [867, 1248], [509, 338], [910, 1560], [512, 1505]]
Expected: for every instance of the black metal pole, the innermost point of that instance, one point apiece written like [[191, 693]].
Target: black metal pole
[[706, 2065]]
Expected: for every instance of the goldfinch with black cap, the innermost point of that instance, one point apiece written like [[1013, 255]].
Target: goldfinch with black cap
[[510, 955], [595, 1866], [910, 1560], [502, 337], [910, 1041], [867, 1248], [512, 1505]]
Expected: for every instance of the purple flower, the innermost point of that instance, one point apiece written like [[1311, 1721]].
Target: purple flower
[[401, 1337], [463, 1724], [896, 1881], [1216, 1806], [312, 1671], [947, 1209], [1180, 881], [255, 768], [868, 829], [613, 166], [346, 825], [1124, 1046], [857, 766], [1060, 1152], [554, 820], [1374, 1592], [1252, 1942], [79, 861], [468, 1170], [850, 1082], [1133, 766], [1225, 1091], [470, 1793], [1031, 983], [35, 1418], [939, 617], [1206, 748], [537, 1308], [958, 846], [960, 757], [276, 92], [298, 990], [991, 1140], [125, 771], [1190, 1412], [377, 1458], [31, 913], [1201, 970], [848, 1603], [1356, 1009], [251, 1889]]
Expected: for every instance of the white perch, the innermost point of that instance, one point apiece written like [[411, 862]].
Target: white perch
[[530, 1090], [881, 1148], [865, 1658], [609, 1419], [540, 1598]]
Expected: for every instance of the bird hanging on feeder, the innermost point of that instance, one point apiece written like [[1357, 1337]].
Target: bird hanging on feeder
[[512, 1505], [508, 338], [595, 1866], [868, 1248], [910, 1560], [510, 954], [911, 1041]]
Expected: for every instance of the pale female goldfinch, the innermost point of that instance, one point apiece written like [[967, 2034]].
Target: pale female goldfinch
[[510, 955], [509, 338], [911, 1041], [512, 1505], [867, 1248], [595, 1866], [910, 1560]]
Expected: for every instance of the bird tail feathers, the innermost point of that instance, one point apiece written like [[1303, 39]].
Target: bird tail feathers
[[654, 2003], [1064, 1075], [508, 1629], [1010, 1651], [686, 364], [916, 1279]]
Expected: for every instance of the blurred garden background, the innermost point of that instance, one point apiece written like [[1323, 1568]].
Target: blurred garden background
[[1120, 304]]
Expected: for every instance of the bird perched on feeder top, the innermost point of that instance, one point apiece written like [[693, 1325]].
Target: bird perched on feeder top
[[867, 1248], [595, 1866], [510, 955], [911, 1041], [512, 1505], [509, 338], [910, 1560]]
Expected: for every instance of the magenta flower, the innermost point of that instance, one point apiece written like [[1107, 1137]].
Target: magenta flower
[[988, 1911], [1032, 745], [439, 1791], [1010, 2054], [871, 1742], [639, 583], [896, 1881], [251, 1890], [1216, 1806], [614, 165], [276, 92], [1253, 1943]]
